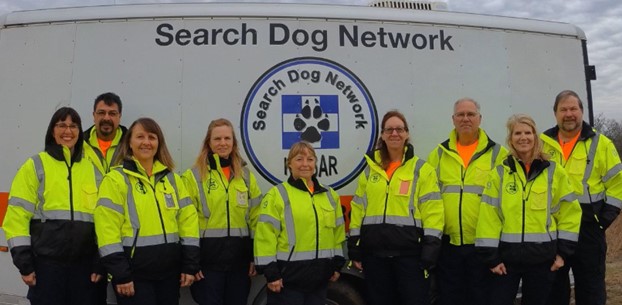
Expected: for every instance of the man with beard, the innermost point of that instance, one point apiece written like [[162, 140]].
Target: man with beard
[[593, 165], [101, 141], [103, 137]]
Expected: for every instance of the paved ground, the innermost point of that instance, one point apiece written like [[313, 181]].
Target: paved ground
[[12, 300]]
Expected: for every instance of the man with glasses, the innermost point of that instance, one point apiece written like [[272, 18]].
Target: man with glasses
[[103, 137], [462, 165]]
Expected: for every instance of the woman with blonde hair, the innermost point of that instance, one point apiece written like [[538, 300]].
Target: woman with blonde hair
[[226, 196], [529, 218], [147, 228]]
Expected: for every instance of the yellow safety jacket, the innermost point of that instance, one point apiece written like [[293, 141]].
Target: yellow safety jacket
[[146, 226], [462, 186], [595, 173], [527, 219], [402, 215], [50, 212], [227, 214], [94, 153], [299, 234]]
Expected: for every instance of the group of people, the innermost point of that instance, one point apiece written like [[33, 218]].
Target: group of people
[[106, 205]]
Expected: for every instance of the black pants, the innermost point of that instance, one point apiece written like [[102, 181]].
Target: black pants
[[461, 276], [588, 268], [62, 284], [396, 280], [537, 282], [295, 297], [222, 287], [161, 292]]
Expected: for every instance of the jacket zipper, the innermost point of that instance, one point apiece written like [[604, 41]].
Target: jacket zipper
[[317, 228], [70, 180], [159, 211], [462, 173]]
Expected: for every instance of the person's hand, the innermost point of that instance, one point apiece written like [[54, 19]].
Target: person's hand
[[126, 290], [335, 276], [499, 269], [558, 263], [30, 279], [95, 277], [199, 276], [251, 270], [358, 265], [276, 286], [186, 280]]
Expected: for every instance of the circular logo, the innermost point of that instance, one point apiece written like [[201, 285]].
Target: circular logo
[[212, 185], [510, 187], [315, 100]]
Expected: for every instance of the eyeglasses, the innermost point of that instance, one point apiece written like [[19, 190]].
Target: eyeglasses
[[63, 126], [102, 113], [468, 115], [399, 130]]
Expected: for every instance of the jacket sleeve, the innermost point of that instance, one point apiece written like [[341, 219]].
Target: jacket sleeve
[[430, 204], [191, 187], [612, 178], [188, 224], [23, 201], [489, 223], [267, 233], [357, 213], [340, 233], [255, 197], [566, 212], [109, 218]]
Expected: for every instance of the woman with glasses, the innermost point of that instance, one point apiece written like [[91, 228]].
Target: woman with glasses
[[397, 219], [529, 218], [147, 228], [49, 221], [226, 196]]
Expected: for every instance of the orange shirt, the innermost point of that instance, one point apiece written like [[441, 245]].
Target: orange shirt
[[527, 168], [104, 145], [568, 146], [227, 171], [466, 152], [392, 167]]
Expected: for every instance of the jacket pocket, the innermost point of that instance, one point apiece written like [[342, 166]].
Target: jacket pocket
[[241, 196], [538, 198], [170, 199], [328, 214], [89, 196]]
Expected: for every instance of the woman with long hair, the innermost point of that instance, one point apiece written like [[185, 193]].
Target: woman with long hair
[[226, 196], [147, 228]]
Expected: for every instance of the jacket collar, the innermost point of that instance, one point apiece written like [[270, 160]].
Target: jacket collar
[[409, 153], [133, 167], [90, 135], [537, 166], [586, 132], [301, 184], [62, 153]]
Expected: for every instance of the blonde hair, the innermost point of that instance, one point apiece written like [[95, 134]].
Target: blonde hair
[[202, 162], [299, 148], [537, 147], [150, 126]]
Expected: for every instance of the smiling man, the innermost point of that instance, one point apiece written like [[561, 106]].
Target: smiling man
[[104, 136], [593, 165]]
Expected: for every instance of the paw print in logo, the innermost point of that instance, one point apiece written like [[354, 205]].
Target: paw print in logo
[[311, 120]]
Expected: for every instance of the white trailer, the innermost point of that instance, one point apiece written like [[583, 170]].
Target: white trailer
[[261, 64]]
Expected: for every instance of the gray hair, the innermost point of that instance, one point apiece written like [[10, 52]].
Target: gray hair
[[467, 99]]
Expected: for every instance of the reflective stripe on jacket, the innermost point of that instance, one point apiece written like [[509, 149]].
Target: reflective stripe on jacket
[[397, 216], [146, 220], [595, 172], [462, 186], [50, 212], [527, 219]]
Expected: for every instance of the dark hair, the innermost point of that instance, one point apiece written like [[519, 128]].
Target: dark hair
[[60, 115], [565, 94], [109, 99], [162, 154], [384, 151]]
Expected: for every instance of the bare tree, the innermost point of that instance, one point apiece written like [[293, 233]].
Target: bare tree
[[610, 128]]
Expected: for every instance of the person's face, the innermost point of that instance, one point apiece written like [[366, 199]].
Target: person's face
[[144, 144], [466, 118], [523, 139], [569, 115], [106, 119], [221, 141], [394, 133], [302, 165], [66, 133]]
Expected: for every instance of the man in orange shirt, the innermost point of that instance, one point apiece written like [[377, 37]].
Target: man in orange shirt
[[462, 165], [100, 148]]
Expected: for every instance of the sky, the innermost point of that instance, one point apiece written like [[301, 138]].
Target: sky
[[600, 20]]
